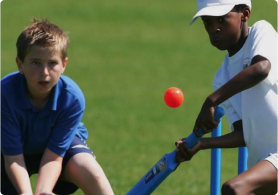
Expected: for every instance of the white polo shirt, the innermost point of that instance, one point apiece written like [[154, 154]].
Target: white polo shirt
[[257, 106]]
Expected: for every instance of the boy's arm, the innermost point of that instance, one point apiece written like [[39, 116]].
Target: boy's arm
[[50, 169], [17, 173], [231, 140], [247, 78]]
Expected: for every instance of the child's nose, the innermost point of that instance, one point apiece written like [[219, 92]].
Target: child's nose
[[214, 27], [45, 70]]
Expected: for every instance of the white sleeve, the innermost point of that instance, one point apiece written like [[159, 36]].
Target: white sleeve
[[230, 113], [264, 43]]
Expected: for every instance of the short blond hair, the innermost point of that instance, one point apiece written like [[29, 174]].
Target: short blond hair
[[42, 33]]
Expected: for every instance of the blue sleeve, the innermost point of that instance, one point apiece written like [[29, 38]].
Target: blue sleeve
[[11, 140], [66, 128]]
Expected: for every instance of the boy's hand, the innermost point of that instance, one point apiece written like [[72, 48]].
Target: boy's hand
[[183, 152], [205, 120]]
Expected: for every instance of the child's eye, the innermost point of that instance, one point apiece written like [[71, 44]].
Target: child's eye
[[223, 19], [52, 63], [35, 63], [205, 22]]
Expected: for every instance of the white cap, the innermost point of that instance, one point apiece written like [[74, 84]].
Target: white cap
[[217, 7]]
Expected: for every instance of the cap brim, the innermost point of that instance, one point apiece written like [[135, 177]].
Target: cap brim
[[218, 10]]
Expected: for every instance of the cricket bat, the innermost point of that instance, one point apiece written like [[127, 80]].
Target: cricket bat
[[166, 165]]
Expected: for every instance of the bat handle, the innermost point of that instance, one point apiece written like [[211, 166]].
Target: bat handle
[[192, 139]]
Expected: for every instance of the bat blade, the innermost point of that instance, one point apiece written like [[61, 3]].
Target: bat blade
[[156, 175], [166, 165]]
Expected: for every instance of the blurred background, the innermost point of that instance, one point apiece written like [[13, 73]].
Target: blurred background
[[124, 54]]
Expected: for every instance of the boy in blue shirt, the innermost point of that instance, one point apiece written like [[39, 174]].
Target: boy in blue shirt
[[246, 86], [41, 129]]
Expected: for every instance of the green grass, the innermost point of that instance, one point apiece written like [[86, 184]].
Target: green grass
[[124, 55]]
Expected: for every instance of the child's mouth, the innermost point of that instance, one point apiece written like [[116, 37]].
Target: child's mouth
[[43, 83]]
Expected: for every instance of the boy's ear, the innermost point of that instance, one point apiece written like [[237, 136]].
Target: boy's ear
[[65, 62], [19, 65], [246, 14]]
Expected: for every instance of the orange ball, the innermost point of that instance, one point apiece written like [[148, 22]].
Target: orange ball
[[173, 97]]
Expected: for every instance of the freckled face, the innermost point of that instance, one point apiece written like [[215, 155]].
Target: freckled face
[[42, 68], [224, 31]]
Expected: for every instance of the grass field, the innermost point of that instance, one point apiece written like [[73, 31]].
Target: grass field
[[124, 55]]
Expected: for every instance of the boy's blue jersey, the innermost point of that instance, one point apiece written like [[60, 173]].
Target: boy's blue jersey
[[25, 130]]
